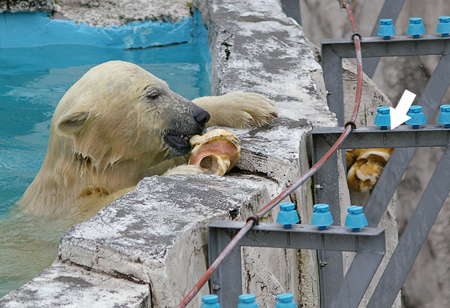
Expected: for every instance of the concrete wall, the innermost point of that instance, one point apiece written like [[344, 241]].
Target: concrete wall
[[26, 6], [148, 248]]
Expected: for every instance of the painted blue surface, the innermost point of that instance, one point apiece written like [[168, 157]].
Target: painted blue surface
[[40, 59], [38, 29]]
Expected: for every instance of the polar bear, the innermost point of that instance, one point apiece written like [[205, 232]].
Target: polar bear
[[113, 125]]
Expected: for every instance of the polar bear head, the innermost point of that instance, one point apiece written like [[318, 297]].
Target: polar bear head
[[120, 111], [112, 125]]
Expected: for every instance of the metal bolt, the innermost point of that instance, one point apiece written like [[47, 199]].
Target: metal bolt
[[216, 286], [323, 263]]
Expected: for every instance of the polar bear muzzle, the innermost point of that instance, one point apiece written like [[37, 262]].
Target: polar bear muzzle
[[178, 140]]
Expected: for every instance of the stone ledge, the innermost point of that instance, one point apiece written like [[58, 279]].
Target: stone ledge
[[280, 162], [63, 285], [120, 12], [157, 234], [15, 6], [255, 47]]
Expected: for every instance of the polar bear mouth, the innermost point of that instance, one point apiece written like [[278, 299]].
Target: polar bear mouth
[[179, 142]]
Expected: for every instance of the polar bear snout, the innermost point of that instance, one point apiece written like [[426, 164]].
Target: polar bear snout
[[183, 128], [202, 117]]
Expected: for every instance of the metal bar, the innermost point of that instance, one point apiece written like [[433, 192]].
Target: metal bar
[[391, 9], [327, 191], [387, 185], [369, 243], [372, 137], [414, 235], [388, 182], [396, 46], [429, 135], [302, 236], [357, 279], [292, 9], [333, 50], [436, 87], [331, 275], [332, 74], [327, 180], [226, 281]]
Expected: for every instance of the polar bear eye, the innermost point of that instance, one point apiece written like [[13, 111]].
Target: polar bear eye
[[152, 94]]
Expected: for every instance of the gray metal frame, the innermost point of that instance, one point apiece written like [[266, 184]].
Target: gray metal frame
[[369, 245], [424, 215], [292, 9], [333, 50], [391, 9], [404, 139]]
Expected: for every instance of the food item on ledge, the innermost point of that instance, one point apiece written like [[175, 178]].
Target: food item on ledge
[[217, 151]]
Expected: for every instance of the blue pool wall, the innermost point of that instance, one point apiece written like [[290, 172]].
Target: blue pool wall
[[39, 29]]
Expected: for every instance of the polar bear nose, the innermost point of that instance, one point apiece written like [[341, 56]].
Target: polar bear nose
[[202, 117]]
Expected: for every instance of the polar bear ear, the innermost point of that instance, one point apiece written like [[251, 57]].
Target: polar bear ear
[[71, 123]]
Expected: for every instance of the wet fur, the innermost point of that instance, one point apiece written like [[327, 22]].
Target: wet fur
[[109, 130]]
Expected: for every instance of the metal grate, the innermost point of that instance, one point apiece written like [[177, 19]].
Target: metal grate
[[404, 139], [368, 244]]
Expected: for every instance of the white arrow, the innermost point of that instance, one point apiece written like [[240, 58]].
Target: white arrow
[[398, 115]]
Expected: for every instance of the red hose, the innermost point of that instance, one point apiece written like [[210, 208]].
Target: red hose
[[255, 219]]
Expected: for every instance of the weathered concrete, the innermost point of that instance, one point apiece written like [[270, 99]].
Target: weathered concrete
[[120, 12], [254, 47], [157, 234], [65, 285], [26, 6]]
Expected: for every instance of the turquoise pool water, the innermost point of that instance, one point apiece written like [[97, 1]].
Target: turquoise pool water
[[32, 81]]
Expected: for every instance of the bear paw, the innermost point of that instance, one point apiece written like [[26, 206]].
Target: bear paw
[[186, 169], [238, 109]]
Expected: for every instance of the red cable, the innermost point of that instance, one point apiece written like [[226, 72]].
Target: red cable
[[254, 220]]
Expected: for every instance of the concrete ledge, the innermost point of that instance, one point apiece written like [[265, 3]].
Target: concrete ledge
[[160, 225], [63, 285], [280, 162], [121, 12], [15, 6], [256, 47]]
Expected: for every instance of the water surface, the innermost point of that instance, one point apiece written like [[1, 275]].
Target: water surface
[[32, 81]]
